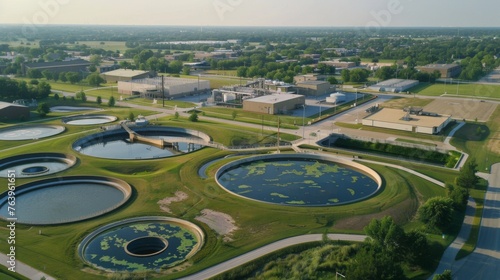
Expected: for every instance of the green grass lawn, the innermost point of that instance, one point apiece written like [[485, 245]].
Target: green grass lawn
[[251, 117], [153, 180], [107, 46], [465, 90]]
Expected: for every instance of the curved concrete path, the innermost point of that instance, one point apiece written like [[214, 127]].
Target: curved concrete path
[[484, 262], [26, 270], [247, 257]]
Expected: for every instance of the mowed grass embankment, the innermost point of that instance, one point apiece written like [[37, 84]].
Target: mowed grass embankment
[[462, 90], [54, 250]]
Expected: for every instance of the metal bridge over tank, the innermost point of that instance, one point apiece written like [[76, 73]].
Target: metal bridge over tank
[[164, 143]]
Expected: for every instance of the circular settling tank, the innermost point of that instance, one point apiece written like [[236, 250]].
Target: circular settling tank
[[141, 244], [116, 143], [89, 119], [69, 109], [297, 179], [32, 165], [66, 199], [30, 132]]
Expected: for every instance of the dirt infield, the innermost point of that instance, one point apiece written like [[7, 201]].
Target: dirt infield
[[470, 110]]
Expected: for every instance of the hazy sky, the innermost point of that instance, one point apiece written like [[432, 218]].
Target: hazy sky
[[447, 13]]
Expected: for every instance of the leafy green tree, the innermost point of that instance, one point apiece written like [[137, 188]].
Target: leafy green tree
[[346, 75], [48, 75], [56, 96], [99, 100], [332, 80], [446, 275], [176, 115], [234, 114], [34, 74], [95, 79], [175, 67], [358, 75], [43, 109], [43, 90], [62, 77], [186, 70], [73, 77], [372, 262], [386, 233], [437, 212], [467, 177], [193, 117], [459, 196], [81, 96], [131, 116], [111, 102], [241, 71]]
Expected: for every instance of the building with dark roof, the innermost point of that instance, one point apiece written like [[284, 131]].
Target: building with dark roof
[[56, 67], [9, 112], [446, 70]]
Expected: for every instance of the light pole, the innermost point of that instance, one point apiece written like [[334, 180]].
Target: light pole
[[303, 120]]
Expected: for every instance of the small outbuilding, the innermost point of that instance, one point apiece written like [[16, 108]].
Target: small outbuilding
[[10, 112], [274, 104]]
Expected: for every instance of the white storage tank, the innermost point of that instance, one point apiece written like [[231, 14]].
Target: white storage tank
[[336, 98]]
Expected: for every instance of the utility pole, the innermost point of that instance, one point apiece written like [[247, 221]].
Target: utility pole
[[163, 90], [278, 135]]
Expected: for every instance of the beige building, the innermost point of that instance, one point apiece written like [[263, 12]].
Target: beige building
[[174, 87], [274, 104], [315, 88], [124, 75], [401, 120]]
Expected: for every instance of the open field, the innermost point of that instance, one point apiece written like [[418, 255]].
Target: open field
[[154, 180], [464, 90], [105, 45], [403, 102], [471, 110]]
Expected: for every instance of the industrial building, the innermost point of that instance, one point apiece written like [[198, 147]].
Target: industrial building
[[446, 70], [173, 87], [56, 67], [274, 104], [314, 88], [404, 120], [394, 85], [125, 75], [9, 112]]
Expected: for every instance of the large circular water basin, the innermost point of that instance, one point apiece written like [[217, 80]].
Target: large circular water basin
[[141, 244], [298, 179], [64, 200], [89, 119], [146, 143], [30, 132], [69, 109], [32, 165]]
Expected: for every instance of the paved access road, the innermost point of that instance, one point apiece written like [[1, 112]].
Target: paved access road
[[484, 262], [232, 263]]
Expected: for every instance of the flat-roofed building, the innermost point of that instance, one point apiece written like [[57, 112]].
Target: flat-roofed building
[[274, 104], [9, 112], [174, 87], [124, 75], [314, 88], [394, 85], [56, 67], [401, 120], [446, 70]]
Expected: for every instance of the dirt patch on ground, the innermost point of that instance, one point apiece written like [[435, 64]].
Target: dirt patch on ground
[[222, 223], [470, 110], [165, 203], [401, 213], [401, 103]]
